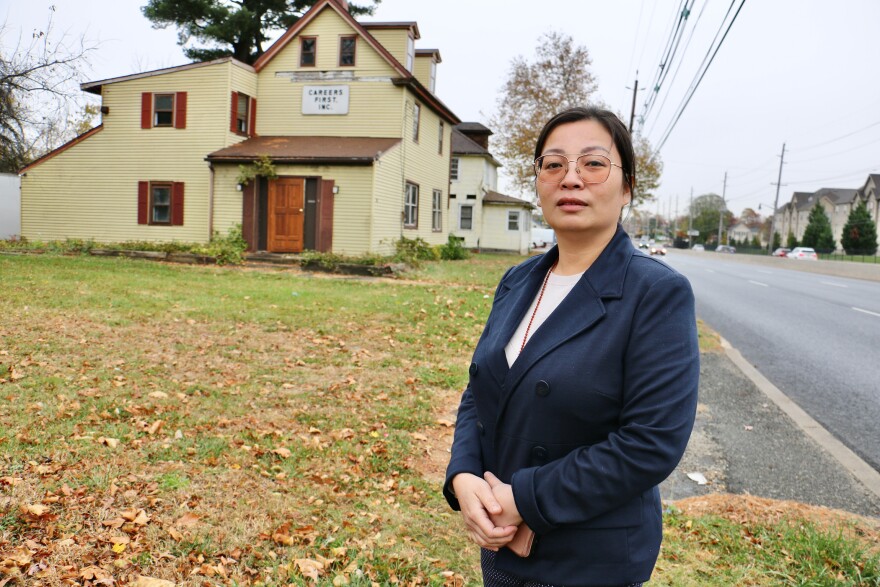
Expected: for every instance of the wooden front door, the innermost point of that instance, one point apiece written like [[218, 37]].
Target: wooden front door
[[285, 226]]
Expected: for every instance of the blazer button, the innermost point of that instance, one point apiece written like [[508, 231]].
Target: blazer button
[[539, 453], [542, 388], [473, 369], [480, 428]]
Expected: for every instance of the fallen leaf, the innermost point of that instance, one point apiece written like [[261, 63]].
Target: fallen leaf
[[309, 568], [111, 442], [142, 581], [187, 520], [282, 452]]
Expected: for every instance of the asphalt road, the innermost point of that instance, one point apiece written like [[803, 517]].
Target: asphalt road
[[816, 337]]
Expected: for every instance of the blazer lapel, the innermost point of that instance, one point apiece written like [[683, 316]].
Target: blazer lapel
[[510, 310], [580, 309]]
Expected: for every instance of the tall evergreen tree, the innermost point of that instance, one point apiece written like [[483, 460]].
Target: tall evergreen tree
[[231, 27], [791, 242], [818, 234], [859, 233]]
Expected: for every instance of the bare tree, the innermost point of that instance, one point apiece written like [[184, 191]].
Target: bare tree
[[557, 79], [38, 92]]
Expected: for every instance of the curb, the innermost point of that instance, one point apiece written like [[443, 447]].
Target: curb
[[849, 460]]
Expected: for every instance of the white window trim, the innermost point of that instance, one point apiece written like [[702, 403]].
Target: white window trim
[[462, 207]]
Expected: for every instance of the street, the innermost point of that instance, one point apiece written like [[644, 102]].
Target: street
[[813, 336]]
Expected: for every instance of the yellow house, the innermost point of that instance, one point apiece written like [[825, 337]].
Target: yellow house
[[345, 111]]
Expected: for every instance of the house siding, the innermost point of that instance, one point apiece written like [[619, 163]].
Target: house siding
[[496, 234], [374, 106], [471, 174], [90, 191], [394, 40], [426, 167]]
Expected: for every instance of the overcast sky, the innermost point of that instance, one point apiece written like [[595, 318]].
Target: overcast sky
[[800, 72]]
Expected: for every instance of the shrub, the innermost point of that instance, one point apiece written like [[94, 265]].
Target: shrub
[[227, 250], [454, 249], [414, 251]]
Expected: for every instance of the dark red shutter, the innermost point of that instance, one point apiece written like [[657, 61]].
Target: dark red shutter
[[233, 112], [143, 202], [252, 123], [324, 230], [147, 110], [177, 203], [180, 110]]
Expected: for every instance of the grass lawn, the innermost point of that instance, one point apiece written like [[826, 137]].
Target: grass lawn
[[227, 426]]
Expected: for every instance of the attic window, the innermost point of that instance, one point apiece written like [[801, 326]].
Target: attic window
[[347, 47], [163, 109], [308, 50]]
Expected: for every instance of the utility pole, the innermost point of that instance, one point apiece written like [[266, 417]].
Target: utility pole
[[632, 112], [722, 209], [776, 203], [691, 218]]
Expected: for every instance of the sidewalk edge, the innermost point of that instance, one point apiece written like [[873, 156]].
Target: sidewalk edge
[[850, 461]]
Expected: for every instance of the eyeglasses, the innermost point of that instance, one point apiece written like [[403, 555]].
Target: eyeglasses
[[590, 168]]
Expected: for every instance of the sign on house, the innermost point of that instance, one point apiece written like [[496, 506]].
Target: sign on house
[[325, 100]]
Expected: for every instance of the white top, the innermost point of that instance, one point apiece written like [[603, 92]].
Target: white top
[[557, 288]]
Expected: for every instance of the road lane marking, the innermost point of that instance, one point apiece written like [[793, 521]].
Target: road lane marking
[[834, 284], [866, 311], [759, 283]]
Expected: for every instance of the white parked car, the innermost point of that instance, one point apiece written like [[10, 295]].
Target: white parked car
[[542, 237], [802, 253]]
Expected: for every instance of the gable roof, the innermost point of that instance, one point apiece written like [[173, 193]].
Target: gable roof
[[95, 87], [311, 150], [837, 195], [496, 198], [464, 145], [406, 78], [308, 17]]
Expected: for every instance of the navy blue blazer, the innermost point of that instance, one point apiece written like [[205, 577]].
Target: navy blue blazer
[[594, 413]]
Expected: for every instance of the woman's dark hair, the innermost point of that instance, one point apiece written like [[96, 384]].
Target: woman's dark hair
[[612, 124]]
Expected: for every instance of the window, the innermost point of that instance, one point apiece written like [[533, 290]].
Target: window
[[433, 81], [347, 46], [451, 196], [453, 169], [513, 220], [308, 48], [411, 206], [410, 53], [417, 114], [163, 109], [466, 217], [167, 109], [440, 139], [241, 113], [472, 196], [437, 211], [160, 202]]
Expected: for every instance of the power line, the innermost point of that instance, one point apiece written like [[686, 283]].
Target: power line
[[668, 55], [825, 142], [694, 86], [827, 155], [678, 65]]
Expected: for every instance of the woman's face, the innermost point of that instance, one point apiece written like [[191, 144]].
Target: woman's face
[[573, 206]]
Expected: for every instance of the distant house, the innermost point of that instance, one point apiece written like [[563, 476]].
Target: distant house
[[743, 232], [10, 205], [793, 216], [345, 111], [479, 215]]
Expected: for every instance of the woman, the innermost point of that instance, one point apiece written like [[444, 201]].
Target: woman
[[583, 386]]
